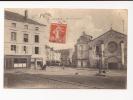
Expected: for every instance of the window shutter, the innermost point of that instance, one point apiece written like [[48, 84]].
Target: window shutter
[[17, 49], [22, 48], [27, 49], [33, 50], [39, 50]]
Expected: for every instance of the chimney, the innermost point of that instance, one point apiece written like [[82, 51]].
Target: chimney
[[25, 14]]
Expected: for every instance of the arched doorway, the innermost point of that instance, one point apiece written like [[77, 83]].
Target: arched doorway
[[113, 63]]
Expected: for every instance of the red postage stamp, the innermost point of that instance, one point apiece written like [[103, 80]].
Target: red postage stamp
[[58, 33]]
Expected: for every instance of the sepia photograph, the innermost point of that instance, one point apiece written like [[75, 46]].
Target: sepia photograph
[[59, 48]]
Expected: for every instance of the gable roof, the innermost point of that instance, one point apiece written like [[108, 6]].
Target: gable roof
[[20, 18], [111, 30]]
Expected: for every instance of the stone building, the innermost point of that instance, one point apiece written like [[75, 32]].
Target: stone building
[[24, 43], [74, 58], [57, 57], [110, 49], [49, 54], [66, 57], [61, 57], [53, 57], [82, 50]]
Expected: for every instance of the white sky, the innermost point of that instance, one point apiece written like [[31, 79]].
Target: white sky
[[93, 21]]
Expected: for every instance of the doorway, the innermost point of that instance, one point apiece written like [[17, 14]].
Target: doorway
[[113, 65], [81, 63], [8, 63]]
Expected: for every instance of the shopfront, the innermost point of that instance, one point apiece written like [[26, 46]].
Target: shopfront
[[36, 63], [17, 61]]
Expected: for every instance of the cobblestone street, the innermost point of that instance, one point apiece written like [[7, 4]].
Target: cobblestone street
[[67, 78]]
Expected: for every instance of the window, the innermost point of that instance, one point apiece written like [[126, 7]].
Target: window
[[97, 50], [36, 28], [112, 46], [13, 25], [25, 37], [25, 49], [36, 38], [13, 48], [13, 36], [36, 50], [81, 54], [81, 47], [25, 26]]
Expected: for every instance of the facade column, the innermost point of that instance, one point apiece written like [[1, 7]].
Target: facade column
[[95, 56], [102, 51], [122, 53]]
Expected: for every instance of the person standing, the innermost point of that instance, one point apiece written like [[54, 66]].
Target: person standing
[[44, 67]]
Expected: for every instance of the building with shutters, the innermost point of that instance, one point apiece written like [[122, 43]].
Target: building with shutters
[[66, 56], [24, 43], [109, 50], [53, 57]]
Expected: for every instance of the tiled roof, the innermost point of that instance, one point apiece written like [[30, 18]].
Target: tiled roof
[[20, 18]]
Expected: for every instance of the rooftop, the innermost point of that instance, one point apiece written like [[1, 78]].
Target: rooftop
[[20, 18], [111, 30]]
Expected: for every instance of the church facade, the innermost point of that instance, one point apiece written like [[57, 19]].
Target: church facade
[[108, 50]]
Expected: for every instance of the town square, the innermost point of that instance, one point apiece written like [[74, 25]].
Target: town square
[[65, 48]]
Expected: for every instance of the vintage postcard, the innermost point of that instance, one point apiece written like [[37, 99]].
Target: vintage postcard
[[52, 48]]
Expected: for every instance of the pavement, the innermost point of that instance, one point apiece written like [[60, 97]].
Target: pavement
[[67, 78], [54, 70]]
